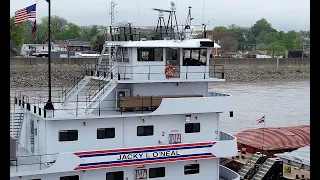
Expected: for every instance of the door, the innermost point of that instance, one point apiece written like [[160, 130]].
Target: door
[[173, 58]]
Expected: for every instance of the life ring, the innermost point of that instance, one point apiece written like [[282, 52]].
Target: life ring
[[170, 71]]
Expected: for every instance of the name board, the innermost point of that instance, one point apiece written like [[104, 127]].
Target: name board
[[140, 174], [174, 138], [148, 155]]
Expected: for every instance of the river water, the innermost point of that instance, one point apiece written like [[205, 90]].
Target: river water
[[282, 103]]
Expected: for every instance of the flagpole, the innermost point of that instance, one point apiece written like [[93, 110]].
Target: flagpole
[[49, 105]]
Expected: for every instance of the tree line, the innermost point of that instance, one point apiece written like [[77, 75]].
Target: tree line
[[263, 36], [260, 36]]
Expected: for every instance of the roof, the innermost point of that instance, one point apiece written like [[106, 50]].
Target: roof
[[276, 138], [188, 43], [301, 155]]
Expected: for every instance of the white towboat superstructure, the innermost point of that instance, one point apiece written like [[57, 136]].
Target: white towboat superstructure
[[143, 112]]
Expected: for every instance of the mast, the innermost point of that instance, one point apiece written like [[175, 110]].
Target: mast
[[49, 105]]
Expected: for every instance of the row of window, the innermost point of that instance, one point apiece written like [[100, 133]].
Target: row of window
[[105, 133], [191, 56], [153, 173]]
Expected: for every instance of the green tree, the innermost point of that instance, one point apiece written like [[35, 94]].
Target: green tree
[[220, 29], [288, 40], [275, 49], [261, 25], [88, 32], [72, 31], [229, 44], [17, 33], [298, 43]]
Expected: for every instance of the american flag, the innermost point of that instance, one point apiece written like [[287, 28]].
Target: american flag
[[25, 13], [261, 120]]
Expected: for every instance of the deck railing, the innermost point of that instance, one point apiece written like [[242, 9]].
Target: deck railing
[[77, 107]]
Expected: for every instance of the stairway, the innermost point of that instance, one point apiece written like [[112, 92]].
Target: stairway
[[264, 169], [16, 121], [103, 93], [76, 89], [248, 165]]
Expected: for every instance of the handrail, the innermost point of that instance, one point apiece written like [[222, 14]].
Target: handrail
[[73, 82], [93, 92]]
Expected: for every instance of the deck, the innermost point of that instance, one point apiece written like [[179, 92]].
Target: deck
[[26, 161]]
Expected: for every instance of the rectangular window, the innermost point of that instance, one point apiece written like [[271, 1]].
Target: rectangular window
[[157, 172], [194, 57], [191, 169], [144, 130], [34, 179], [68, 135], [114, 175], [192, 127], [125, 54], [104, 133], [150, 54], [76, 177]]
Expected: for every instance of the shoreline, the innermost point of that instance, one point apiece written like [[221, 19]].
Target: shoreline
[[37, 76]]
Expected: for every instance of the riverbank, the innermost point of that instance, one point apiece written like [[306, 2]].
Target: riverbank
[[37, 76]]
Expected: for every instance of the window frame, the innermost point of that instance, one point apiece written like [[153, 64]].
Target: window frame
[[156, 173], [201, 63], [105, 133], [151, 54], [194, 129], [116, 178], [191, 169], [68, 131], [145, 132], [68, 177]]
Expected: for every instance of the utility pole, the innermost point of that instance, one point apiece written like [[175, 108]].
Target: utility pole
[[49, 105]]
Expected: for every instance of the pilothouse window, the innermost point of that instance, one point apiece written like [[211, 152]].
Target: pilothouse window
[[194, 57], [150, 54]]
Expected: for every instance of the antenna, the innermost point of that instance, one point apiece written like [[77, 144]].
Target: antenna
[[160, 21], [113, 4], [172, 13], [187, 27]]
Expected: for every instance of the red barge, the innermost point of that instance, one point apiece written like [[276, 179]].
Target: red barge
[[274, 140]]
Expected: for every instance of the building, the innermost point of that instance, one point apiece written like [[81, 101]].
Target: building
[[75, 45], [30, 49]]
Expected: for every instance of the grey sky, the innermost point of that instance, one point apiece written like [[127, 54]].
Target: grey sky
[[282, 14]]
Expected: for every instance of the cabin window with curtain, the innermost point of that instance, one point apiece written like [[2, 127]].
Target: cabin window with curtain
[[144, 130], [192, 127], [105, 133], [76, 177], [157, 172], [191, 169], [194, 57], [150, 54], [68, 135], [114, 175]]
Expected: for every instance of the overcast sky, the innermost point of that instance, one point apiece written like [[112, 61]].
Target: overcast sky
[[282, 14]]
